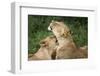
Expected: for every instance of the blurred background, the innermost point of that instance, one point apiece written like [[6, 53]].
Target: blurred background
[[38, 24]]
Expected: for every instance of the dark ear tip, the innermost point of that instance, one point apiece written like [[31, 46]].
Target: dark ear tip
[[71, 32]]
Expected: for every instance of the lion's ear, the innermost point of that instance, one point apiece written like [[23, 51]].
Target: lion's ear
[[66, 33], [71, 32], [52, 21], [43, 43]]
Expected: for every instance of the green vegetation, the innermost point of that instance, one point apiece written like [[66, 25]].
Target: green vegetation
[[37, 29]]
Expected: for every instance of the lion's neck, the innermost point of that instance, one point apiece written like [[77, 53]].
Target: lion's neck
[[63, 41], [43, 53]]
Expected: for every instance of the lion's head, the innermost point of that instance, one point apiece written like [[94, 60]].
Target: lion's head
[[49, 42], [59, 29]]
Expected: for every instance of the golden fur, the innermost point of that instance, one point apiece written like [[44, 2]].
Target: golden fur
[[47, 49], [66, 48]]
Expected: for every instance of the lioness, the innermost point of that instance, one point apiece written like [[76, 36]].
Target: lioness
[[66, 48], [47, 49]]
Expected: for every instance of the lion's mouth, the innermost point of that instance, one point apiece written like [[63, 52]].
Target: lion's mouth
[[49, 28]]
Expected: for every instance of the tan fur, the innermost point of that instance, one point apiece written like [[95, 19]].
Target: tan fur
[[47, 49], [66, 48]]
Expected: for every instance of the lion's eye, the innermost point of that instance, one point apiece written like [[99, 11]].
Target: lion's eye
[[56, 40]]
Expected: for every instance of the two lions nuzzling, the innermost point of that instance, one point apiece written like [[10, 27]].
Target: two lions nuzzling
[[60, 45], [66, 48]]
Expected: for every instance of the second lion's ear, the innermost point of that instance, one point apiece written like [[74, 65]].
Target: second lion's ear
[[71, 32], [43, 43], [66, 33]]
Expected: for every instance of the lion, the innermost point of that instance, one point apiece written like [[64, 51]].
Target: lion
[[66, 48], [47, 50]]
